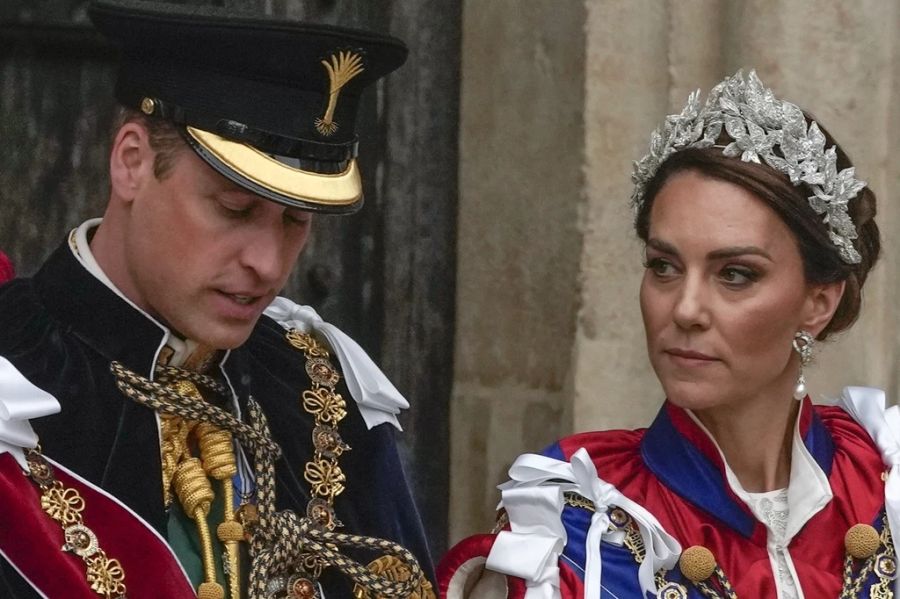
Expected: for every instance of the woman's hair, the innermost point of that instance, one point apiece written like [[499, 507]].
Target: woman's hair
[[821, 261], [165, 138]]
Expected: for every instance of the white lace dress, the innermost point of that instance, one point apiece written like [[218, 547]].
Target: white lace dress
[[772, 509]]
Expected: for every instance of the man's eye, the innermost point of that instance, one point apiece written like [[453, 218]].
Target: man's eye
[[234, 209], [298, 218]]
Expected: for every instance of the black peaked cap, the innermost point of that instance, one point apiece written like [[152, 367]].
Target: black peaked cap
[[271, 104]]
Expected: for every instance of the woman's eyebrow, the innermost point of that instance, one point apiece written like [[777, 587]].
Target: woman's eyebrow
[[662, 246], [732, 252], [726, 252]]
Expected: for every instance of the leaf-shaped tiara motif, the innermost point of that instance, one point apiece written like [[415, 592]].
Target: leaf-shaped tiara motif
[[766, 130]]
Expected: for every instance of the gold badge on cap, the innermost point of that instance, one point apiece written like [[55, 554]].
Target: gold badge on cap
[[342, 67]]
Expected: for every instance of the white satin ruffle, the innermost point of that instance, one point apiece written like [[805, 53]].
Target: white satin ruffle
[[867, 406], [534, 501], [377, 398], [20, 401]]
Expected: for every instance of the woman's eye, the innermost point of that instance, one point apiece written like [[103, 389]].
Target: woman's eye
[[738, 276], [660, 267]]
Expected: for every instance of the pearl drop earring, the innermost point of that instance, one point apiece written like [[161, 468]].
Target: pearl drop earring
[[803, 345]]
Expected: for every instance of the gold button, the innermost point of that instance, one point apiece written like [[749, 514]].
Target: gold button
[[148, 106], [862, 541], [697, 563]]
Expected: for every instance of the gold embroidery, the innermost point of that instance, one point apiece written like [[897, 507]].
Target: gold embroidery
[[341, 68]]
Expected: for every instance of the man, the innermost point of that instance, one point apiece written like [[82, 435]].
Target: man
[[160, 437]]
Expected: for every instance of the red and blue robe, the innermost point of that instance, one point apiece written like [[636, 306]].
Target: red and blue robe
[[675, 471]]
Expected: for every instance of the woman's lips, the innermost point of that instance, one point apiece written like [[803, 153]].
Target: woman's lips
[[687, 357]]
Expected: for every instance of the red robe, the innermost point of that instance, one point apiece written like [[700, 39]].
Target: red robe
[[676, 472], [7, 271]]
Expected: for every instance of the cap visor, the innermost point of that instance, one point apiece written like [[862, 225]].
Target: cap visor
[[274, 180]]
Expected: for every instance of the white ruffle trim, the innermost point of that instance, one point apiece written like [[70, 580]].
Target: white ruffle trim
[[20, 401], [534, 500]]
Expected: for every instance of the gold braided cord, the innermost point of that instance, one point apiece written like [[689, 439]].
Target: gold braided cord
[[196, 495], [219, 462], [283, 543], [168, 401], [174, 432]]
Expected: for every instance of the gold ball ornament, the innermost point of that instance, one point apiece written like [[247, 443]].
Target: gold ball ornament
[[697, 563], [210, 590], [862, 541]]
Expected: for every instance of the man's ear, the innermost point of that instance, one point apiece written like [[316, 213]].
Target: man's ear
[[822, 301], [130, 161]]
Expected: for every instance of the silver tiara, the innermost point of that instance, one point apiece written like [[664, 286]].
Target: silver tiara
[[763, 129]]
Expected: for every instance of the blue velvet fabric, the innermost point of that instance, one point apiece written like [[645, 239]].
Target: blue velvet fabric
[[62, 329]]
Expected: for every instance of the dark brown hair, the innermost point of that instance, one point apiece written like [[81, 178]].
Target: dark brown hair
[[821, 260], [165, 138]]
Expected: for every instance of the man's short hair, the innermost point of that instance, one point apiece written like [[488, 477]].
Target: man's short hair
[[165, 138]]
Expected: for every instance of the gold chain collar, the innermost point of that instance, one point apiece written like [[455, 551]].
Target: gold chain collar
[[328, 408], [65, 505]]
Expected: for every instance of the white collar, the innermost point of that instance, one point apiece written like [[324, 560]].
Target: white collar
[[808, 490], [81, 249]]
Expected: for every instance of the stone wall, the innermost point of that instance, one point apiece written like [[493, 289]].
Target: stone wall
[[558, 98]]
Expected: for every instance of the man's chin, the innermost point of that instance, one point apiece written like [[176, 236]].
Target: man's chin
[[221, 336]]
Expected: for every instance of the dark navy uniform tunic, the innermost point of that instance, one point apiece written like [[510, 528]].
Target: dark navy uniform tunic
[[62, 329]]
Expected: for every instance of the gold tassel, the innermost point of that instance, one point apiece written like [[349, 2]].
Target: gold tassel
[[217, 452], [196, 494]]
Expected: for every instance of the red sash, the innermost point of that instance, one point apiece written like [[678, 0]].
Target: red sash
[[32, 542]]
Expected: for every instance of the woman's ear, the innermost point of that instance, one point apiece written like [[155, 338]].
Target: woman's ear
[[130, 161], [822, 301]]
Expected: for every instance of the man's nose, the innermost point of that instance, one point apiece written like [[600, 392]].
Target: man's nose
[[263, 254]]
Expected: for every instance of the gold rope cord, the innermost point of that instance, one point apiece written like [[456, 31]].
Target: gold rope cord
[[188, 478], [288, 551]]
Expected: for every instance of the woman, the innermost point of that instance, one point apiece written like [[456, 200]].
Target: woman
[[758, 241]]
